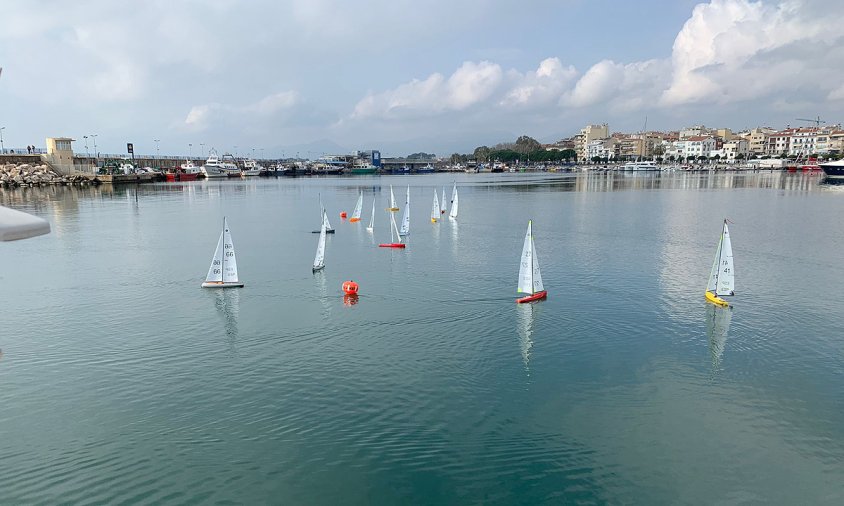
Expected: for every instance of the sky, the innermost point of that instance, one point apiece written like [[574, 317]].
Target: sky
[[285, 77]]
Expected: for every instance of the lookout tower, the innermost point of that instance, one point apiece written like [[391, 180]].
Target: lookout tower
[[60, 154]]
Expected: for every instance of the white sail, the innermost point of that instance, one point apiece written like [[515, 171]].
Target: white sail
[[358, 208], [394, 228], [530, 279], [229, 259], [223, 270], [722, 275], [405, 219], [726, 272], [435, 209], [393, 206], [319, 259], [443, 205], [453, 213], [215, 272], [324, 215], [372, 217]]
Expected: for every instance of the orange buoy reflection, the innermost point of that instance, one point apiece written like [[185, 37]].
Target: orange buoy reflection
[[350, 299]]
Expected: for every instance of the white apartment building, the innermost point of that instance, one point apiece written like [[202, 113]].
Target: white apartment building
[[778, 143], [803, 142], [588, 134], [602, 148], [699, 146]]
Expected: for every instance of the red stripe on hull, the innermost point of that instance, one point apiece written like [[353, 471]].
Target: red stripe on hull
[[531, 298]]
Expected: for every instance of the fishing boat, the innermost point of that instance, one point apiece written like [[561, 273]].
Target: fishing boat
[[530, 280], [435, 208], [405, 219], [395, 240], [453, 213], [223, 270], [358, 209], [324, 218], [319, 259], [371, 226], [722, 276], [393, 207], [443, 205], [213, 166]]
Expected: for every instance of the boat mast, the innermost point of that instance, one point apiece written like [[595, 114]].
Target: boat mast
[[720, 253], [223, 273]]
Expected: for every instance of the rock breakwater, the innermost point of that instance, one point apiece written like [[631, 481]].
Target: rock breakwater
[[14, 175]]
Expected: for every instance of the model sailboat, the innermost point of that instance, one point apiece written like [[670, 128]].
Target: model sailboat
[[319, 259], [223, 270], [453, 213], [530, 280], [395, 240], [435, 208], [442, 203], [722, 276], [323, 216], [405, 219], [371, 226], [358, 209], [393, 207]]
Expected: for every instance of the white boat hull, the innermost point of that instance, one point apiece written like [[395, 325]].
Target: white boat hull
[[221, 284]]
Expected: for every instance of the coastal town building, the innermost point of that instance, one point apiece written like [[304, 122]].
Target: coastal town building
[[588, 134], [757, 138], [736, 149], [698, 146]]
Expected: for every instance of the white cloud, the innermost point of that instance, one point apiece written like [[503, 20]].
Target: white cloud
[[540, 87], [201, 116]]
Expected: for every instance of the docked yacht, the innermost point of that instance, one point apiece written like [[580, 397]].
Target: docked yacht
[[833, 170], [251, 168], [640, 166], [217, 167]]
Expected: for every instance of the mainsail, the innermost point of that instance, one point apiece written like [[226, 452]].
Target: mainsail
[[319, 259], [405, 219], [435, 208], [722, 276], [530, 279], [358, 209], [453, 213]]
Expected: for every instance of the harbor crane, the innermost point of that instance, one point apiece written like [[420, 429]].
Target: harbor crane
[[816, 121]]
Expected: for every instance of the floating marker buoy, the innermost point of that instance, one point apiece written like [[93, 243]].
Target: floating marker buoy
[[343, 215], [350, 288]]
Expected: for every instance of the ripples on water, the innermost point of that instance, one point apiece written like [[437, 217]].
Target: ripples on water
[[123, 381]]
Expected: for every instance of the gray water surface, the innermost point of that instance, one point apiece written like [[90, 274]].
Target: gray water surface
[[122, 381]]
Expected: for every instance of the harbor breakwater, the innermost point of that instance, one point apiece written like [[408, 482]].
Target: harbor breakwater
[[15, 175]]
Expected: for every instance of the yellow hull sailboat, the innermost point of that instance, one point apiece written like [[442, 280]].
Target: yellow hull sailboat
[[722, 276]]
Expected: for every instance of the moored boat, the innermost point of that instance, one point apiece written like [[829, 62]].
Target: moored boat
[[833, 170]]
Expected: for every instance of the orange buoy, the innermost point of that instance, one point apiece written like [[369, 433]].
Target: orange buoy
[[343, 215], [350, 288]]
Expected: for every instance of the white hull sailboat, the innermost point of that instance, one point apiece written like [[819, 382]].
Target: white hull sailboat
[[223, 270], [358, 209], [453, 213], [435, 208], [530, 279], [371, 226], [405, 219], [722, 276], [319, 259]]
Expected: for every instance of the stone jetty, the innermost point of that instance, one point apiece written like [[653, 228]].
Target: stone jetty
[[14, 175]]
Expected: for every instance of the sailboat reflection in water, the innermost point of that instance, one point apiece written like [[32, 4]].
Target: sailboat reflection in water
[[717, 325], [227, 303], [525, 320]]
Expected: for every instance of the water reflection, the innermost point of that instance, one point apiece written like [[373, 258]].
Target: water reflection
[[717, 325], [227, 302], [322, 291], [350, 299], [525, 318]]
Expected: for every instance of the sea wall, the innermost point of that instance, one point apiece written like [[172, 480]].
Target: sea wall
[[14, 175]]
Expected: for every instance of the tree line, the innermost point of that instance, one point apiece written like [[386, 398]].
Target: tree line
[[525, 149]]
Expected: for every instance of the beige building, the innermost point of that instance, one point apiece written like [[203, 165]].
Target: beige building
[[60, 154], [588, 134], [757, 139]]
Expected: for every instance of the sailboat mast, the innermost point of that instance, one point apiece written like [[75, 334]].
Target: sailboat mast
[[223, 272], [720, 253], [531, 256]]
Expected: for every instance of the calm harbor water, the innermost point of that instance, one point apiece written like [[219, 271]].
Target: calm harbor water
[[122, 381]]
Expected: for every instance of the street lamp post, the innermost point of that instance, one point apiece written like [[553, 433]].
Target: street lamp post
[[190, 151], [86, 145], [157, 153], [94, 138], [202, 146], [2, 148]]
